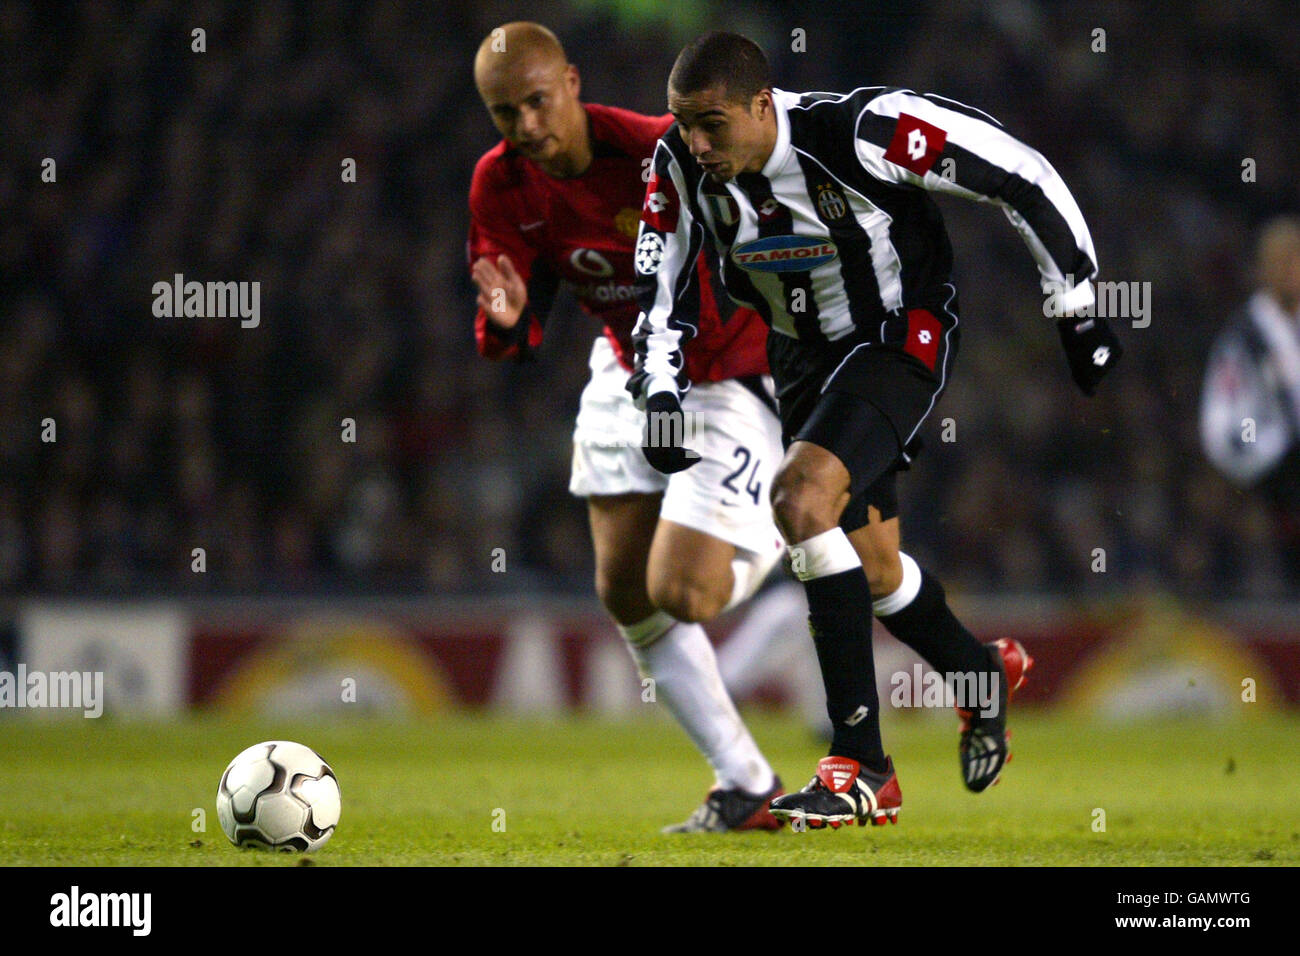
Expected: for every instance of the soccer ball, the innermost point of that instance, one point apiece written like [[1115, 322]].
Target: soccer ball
[[279, 795]]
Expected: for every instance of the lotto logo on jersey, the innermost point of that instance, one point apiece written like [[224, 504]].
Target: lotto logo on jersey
[[916, 144], [923, 332], [660, 209]]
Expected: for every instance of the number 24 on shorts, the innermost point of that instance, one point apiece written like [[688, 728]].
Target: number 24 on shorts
[[753, 486]]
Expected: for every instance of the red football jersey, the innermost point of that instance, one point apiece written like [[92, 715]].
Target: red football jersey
[[582, 231]]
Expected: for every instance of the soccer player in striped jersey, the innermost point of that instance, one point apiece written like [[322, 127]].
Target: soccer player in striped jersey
[[818, 205], [1250, 401], [559, 199]]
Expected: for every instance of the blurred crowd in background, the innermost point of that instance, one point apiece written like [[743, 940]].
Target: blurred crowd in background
[[174, 434]]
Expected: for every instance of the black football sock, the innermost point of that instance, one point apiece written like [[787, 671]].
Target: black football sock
[[928, 626], [841, 631]]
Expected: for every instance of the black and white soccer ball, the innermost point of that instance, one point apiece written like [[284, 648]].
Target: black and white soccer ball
[[279, 795]]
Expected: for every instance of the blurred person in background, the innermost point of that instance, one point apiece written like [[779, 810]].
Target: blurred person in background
[[1250, 402], [158, 135]]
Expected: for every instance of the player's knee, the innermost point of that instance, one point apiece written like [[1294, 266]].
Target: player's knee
[[801, 506], [688, 599]]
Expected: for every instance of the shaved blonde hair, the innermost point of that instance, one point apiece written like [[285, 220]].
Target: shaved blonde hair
[[514, 43]]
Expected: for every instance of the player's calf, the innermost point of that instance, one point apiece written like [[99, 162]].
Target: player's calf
[[625, 603]]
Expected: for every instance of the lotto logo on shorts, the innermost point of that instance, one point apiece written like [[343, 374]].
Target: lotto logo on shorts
[[923, 332]]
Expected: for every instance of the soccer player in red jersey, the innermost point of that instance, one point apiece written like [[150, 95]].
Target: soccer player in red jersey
[[560, 200]]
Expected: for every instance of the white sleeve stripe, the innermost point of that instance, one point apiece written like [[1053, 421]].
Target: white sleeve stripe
[[990, 144], [662, 338], [835, 97], [965, 106]]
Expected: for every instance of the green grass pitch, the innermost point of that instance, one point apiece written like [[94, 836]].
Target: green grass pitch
[[582, 791]]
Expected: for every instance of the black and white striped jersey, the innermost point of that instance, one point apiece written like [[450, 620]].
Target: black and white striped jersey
[[838, 231]]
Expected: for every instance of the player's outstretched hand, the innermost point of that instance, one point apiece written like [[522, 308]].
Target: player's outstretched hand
[[1092, 348], [502, 293], [665, 435]]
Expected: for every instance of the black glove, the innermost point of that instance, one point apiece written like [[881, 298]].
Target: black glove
[[1092, 348], [665, 434]]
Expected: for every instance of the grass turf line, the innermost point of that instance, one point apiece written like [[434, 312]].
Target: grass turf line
[[583, 791]]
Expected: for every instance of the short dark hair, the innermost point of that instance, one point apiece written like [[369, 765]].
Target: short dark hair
[[726, 60]]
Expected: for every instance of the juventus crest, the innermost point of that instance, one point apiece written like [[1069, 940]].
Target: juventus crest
[[830, 203]]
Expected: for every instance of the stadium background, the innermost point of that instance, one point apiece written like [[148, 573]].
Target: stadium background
[[176, 434]]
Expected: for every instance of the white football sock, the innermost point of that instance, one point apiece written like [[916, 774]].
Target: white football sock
[[772, 645], [681, 663], [823, 554], [772, 634], [907, 590], [749, 570]]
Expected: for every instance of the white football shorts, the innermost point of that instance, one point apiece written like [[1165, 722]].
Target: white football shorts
[[737, 437]]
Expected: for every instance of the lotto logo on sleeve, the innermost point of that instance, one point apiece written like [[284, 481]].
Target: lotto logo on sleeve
[[660, 210], [923, 332], [916, 144]]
